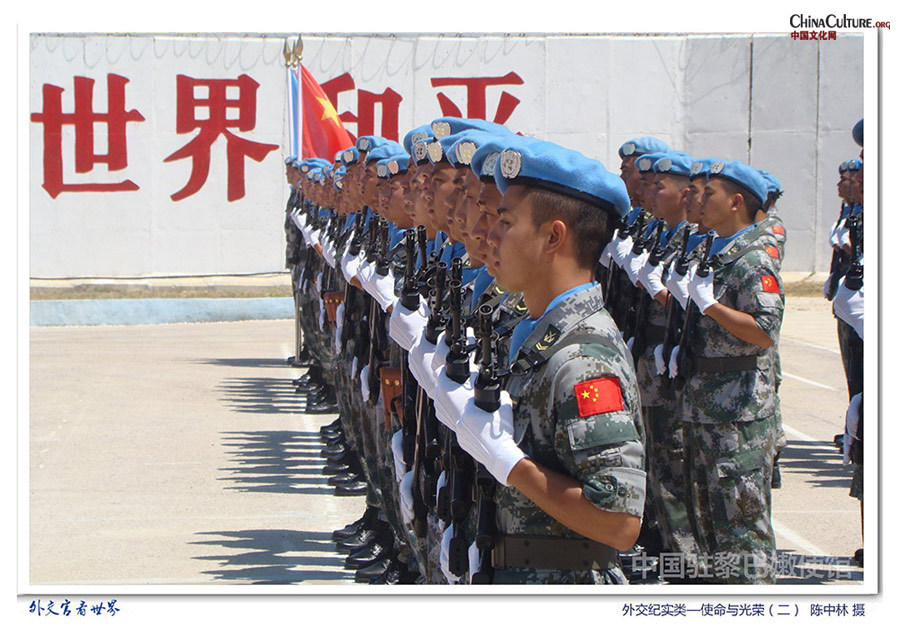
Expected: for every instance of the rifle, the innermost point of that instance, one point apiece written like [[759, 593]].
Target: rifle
[[640, 316], [487, 398], [409, 298], [673, 308], [612, 270], [854, 279], [838, 264], [687, 327]]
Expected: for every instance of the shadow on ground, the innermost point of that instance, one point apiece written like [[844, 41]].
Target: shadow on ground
[[262, 396], [818, 464], [275, 462], [274, 557], [804, 569]]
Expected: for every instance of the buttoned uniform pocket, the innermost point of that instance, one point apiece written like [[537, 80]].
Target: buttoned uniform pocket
[[742, 487]]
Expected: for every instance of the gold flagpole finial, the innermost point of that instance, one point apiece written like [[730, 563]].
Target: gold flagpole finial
[[287, 53], [298, 49]]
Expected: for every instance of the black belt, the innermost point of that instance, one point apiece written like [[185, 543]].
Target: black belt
[[724, 365], [553, 553]]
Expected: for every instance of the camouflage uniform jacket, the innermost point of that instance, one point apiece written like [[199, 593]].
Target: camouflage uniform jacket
[[746, 279], [575, 342]]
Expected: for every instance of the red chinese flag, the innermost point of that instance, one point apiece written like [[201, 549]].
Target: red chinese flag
[[769, 284], [600, 395], [772, 251], [323, 132], [778, 229]]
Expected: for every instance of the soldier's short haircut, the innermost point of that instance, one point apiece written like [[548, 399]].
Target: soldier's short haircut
[[590, 226], [750, 200]]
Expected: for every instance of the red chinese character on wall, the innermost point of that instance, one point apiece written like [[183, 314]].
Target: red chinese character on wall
[[476, 90], [82, 120], [217, 103], [366, 101]]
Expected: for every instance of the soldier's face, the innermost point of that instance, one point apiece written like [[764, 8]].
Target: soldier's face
[[630, 176], [692, 197], [856, 186], [397, 206], [517, 244], [444, 192], [668, 197], [416, 198], [717, 206], [843, 186], [488, 201], [466, 213]]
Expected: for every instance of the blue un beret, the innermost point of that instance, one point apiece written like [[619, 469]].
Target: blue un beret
[[773, 185], [414, 135], [673, 163], [384, 151], [644, 163], [851, 165], [485, 158], [858, 133], [642, 146], [545, 165], [446, 126], [398, 164], [349, 155], [741, 174]]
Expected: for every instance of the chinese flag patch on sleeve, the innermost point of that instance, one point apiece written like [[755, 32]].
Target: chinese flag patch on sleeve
[[601, 395], [778, 229], [769, 284], [772, 251]]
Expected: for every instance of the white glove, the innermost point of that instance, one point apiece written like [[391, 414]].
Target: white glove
[[848, 306], [445, 556], [833, 235], [405, 325], [354, 366], [339, 325], [397, 452], [633, 265], [651, 278], [322, 316], [420, 355], [474, 561], [488, 437], [851, 426], [630, 343], [843, 237], [678, 286], [606, 256], [319, 283], [364, 274], [451, 398], [442, 350], [328, 253], [382, 290], [701, 290], [673, 362], [406, 497], [314, 236], [364, 381], [440, 485], [622, 249], [659, 360], [349, 265], [295, 217]]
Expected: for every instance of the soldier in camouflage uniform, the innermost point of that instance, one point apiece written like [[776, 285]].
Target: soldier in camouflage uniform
[[729, 404], [569, 446]]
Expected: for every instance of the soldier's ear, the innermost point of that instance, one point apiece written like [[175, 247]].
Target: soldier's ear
[[557, 233]]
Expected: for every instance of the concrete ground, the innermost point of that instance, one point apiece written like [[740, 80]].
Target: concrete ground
[[180, 454]]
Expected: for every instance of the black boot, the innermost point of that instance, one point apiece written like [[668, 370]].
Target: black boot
[[357, 488], [350, 529]]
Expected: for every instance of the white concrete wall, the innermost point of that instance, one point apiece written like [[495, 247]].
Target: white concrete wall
[[785, 106]]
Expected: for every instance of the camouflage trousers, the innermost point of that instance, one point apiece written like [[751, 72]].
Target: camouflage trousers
[[852, 356], [728, 479], [665, 479]]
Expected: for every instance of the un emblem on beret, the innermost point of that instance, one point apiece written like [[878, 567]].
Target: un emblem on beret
[[696, 167], [348, 156], [381, 170], [628, 149], [435, 152], [510, 163], [339, 184], [716, 167], [304, 168], [464, 152], [420, 151], [441, 129], [490, 164], [393, 167], [417, 137], [644, 164], [664, 165], [363, 144]]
